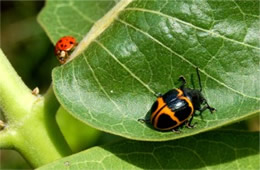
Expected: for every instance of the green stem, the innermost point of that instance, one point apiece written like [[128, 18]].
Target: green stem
[[5, 140], [51, 106], [31, 126], [15, 97], [51, 101]]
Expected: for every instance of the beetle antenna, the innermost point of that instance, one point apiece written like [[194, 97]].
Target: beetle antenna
[[198, 74]]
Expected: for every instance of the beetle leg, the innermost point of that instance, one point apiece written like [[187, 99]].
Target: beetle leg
[[67, 55], [188, 123], [200, 114], [207, 106], [183, 81], [198, 74], [144, 120], [158, 94], [211, 109], [176, 131], [201, 110]]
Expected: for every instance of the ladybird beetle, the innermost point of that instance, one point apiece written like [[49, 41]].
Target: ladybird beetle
[[63, 47], [177, 106]]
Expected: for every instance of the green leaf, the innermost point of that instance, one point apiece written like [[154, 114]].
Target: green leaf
[[60, 18], [142, 47], [216, 150], [83, 136]]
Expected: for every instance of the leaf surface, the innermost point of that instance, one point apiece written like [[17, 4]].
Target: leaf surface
[[216, 150], [60, 18], [143, 50]]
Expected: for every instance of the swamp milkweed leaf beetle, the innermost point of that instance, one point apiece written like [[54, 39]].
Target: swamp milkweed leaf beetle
[[177, 107], [63, 46]]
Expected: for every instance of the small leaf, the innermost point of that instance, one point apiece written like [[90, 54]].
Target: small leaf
[[216, 150], [144, 50]]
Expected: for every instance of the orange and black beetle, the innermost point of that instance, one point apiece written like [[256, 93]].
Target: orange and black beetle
[[177, 107]]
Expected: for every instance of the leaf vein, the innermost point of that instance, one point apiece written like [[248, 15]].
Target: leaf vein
[[193, 26], [86, 18], [99, 84], [183, 58], [242, 12], [188, 149], [126, 68]]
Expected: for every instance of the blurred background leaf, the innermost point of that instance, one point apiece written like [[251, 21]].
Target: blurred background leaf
[[212, 150], [25, 43]]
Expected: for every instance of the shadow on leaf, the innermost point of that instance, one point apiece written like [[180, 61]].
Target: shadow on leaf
[[204, 150]]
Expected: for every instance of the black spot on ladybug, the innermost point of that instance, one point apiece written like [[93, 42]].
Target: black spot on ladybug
[[65, 45], [154, 107], [165, 121], [61, 45], [71, 42], [183, 113], [60, 41]]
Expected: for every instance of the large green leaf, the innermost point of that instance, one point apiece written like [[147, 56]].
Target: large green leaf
[[216, 150], [142, 47]]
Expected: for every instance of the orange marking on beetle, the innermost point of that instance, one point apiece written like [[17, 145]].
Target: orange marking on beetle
[[161, 104], [168, 111], [180, 92], [189, 103]]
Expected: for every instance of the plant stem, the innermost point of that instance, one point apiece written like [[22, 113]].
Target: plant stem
[[5, 140], [31, 127], [15, 97]]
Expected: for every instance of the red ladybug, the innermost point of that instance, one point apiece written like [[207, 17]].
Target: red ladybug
[[65, 45]]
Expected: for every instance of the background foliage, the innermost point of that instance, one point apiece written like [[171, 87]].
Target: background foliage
[[31, 54]]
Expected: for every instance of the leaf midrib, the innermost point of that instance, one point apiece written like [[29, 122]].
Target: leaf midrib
[[121, 6], [99, 27]]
